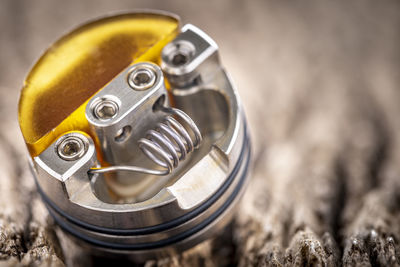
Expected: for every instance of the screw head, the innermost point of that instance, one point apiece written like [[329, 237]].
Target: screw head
[[178, 53], [105, 109], [71, 146], [142, 77]]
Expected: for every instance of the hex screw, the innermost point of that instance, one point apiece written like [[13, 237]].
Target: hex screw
[[105, 109], [71, 147], [142, 78], [179, 53]]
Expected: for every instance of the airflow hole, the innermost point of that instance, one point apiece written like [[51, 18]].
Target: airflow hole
[[123, 134]]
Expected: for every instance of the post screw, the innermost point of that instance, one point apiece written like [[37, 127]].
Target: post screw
[[142, 77], [71, 146], [105, 109]]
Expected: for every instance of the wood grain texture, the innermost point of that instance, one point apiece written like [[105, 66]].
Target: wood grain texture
[[320, 84]]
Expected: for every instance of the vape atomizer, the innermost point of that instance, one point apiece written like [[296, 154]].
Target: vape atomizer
[[137, 139]]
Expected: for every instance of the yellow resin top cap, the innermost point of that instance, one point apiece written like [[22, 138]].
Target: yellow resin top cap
[[78, 65]]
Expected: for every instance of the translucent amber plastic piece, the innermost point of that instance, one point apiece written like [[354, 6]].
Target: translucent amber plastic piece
[[73, 69]]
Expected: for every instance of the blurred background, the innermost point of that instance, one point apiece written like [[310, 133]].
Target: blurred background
[[319, 81]]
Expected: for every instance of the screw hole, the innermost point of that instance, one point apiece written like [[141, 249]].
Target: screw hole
[[123, 134], [141, 77], [72, 148], [180, 59]]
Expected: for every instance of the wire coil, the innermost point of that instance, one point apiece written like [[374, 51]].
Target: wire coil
[[166, 145]]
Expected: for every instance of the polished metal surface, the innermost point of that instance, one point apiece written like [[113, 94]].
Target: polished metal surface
[[177, 159]]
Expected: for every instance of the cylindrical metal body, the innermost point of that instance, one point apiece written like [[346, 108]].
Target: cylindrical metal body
[[96, 177]]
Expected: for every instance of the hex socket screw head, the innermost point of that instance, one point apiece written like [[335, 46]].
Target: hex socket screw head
[[71, 146], [105, 109], [178, 53], [142, 77]]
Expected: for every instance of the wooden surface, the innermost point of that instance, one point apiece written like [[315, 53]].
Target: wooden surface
[[320, 81]]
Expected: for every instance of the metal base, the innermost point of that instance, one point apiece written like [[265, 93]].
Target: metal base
[[179, 242]]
